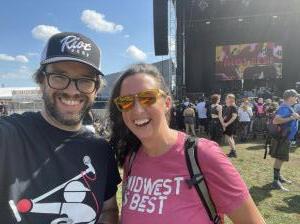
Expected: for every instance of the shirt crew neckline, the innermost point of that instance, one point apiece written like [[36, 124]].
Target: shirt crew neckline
[[144, 155]]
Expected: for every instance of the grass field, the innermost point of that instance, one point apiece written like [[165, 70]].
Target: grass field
[[277, 207]]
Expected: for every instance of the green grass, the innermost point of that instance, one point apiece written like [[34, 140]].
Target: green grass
[[277, 207]]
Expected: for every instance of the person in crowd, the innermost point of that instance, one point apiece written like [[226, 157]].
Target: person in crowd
[[1, 108], [297, 110], [154, 183], [179, 116], [186, 102], [287, 118], [270, 114], [189, 119], [244, 114], [259, 118], [216, 123], [202, 116], [51, 169], [88, 121], [230, 123]]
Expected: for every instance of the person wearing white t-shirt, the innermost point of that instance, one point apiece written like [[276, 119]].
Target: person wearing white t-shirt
[[202, 116], [245, 114]]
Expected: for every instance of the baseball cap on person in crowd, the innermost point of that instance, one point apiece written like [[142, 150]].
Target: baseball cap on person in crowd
[[70, 46], [290, 93]]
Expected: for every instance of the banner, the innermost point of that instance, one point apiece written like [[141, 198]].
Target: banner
[[249, 61]]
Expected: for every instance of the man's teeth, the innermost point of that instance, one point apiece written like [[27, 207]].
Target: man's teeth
[[141, 122], [70, 102]]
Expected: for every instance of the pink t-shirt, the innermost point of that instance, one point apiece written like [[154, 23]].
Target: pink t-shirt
[[156, 191]]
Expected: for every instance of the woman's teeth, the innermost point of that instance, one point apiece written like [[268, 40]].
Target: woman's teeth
[[141, 122]]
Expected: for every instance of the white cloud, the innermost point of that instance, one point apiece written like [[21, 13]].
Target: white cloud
[[126, 35], [44, 32], [23, 72], [22, 58], [5, 57], [136, 53], [96, 21], [18, 58]]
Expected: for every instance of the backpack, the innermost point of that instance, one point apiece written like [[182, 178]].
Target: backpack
[[197, 179], [260, 109], [277, 131]]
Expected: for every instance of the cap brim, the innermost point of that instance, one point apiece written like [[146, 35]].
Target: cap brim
[[61, 59]]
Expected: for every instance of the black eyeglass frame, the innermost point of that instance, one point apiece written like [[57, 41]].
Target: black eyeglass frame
[[48, 74]]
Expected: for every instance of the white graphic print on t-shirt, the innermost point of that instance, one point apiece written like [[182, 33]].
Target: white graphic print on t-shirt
[[73, 206], [149, 195]]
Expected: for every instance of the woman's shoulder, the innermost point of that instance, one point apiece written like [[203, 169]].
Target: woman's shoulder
[[209, 150]]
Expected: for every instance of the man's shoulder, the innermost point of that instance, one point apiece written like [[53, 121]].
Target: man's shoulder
[[284, 110], [11, 125]]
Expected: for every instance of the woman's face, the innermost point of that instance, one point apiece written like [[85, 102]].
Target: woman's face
[[144, 122], [229, 101]]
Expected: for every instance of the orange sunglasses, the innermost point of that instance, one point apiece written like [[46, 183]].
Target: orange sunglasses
[[146, 98]]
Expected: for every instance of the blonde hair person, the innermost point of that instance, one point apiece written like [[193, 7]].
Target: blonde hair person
[[230, 123], [244, 114]]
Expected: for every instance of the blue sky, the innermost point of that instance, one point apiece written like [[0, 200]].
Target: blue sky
[[122, 28]]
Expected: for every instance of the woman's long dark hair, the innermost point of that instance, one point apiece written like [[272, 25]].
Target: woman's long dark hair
[[122, 139]]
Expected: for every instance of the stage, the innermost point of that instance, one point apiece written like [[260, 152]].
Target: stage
[[206, 31]]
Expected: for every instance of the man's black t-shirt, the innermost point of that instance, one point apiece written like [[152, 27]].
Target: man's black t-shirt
[[48, 175], [228, 111]]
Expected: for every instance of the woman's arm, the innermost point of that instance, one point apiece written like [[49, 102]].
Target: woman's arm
[[220, 114], [234, 116], [247, 213]]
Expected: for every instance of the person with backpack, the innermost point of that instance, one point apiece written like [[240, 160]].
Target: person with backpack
[[259, 118], [287, 121], [161, 174]]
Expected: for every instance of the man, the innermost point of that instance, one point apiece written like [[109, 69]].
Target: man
[[202, 115], [51, 169], [288, 121]]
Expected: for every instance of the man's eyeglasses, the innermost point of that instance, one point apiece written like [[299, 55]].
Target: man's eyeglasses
[[146, 98], [60, 82]]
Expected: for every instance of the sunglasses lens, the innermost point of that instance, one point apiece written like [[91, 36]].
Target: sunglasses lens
[[147, 98], [125, 103]]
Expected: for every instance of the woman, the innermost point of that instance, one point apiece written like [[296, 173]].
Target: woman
[[245, 114], [230, 123], [189, 119], [216, 128], [155, 190]]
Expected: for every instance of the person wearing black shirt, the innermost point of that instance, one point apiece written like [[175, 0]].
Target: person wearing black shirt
[[51, 169], [230, 123]]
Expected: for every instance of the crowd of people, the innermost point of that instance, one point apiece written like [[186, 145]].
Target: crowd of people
[[54, 169]]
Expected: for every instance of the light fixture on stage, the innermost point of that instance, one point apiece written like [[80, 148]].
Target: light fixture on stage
[[208, 22], [240, 19], [275, 17], [203, 4]]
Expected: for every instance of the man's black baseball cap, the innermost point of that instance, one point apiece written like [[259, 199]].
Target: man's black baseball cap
[[69, 46]]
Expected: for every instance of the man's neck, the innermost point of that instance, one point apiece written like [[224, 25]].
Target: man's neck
[[57, 124]]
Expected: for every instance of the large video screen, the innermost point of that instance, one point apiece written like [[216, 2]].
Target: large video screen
[[249, 61]]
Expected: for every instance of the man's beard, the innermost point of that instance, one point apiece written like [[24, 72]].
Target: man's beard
[[54, 112]]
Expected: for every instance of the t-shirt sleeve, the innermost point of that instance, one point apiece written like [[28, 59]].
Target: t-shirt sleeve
[[234, 110], [113, 176], [283, 112], [226, 187]]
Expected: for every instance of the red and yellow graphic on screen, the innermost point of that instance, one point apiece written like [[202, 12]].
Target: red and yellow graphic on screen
[[249, 61]]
